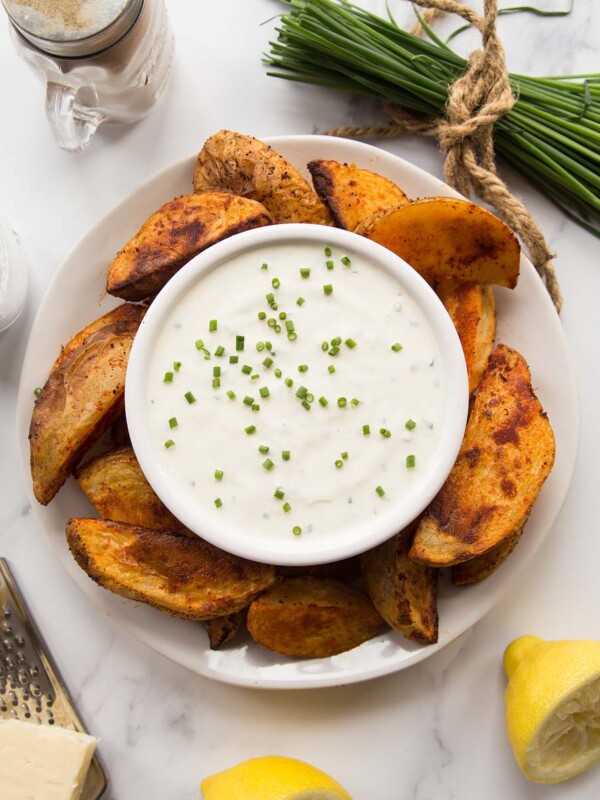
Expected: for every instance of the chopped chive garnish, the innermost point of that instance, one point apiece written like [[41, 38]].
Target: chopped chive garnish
[[331, 369], [263, 448], [282, 315], [380, 491], [262, 314], [350, 343], [410, 424], [286, 455], [411, 462], [216, 372], [328, 288], [268, 464], [264, 391], [334, 350], [279, 494], [287, 508], [218, 474], [173, 422], [289, 325], [277, 328], [339, 463], [306, 405], [216, 383], [344, 455], [337, 341], [231, 394], [325, 347], [303, 368], [309, 397], [300, 301], [301, 392], [264, 266], [355, 401], [250, 429], [268, 362], [169, 443], [397, 347], [189, 397], [276, 283], [268, 345], [168, 377], [270, 298], [278, 372], [328, 251], [206, 354], [329, 264], [199, 344], [239, 343], [260, 346], [37, 391], [234, 359], [218, 502], [177, 366], [385, 433], [254, 377], [296, 530], [305, 272], [366, 430], [342, 402], [323, 401], [220, 350], [246, 369], [212, 325], [271, 322], [345, 261], [289, 382], [255, 407], [292, 336], [248, 400]]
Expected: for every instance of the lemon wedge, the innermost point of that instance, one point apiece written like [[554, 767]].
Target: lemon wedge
[[272, 778], [553, 707]]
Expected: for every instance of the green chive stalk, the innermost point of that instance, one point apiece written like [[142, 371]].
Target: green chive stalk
[[551, 135]]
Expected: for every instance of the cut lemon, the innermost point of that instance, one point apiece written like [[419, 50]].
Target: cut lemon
[[272, 778], [553, 707]]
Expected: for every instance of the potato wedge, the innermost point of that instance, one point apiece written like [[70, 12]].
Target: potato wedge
[[346, 571], [223, 629], [472, 309], [79, 401], [402, 590], [505, 457], [117, 488], [187, 578], [173, 235], [352, 194], [476, 569], [119, 432], [448, 239], [244, 166], [312, 617]]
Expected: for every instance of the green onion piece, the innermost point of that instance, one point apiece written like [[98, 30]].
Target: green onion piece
[[301, 392], [173, 422], [231, 394], [296, 530], [385, 433], [168, 377], [218, 474], [264, 391], [218, 502], [199, 344], [282, 315], [345, 455], [248, 400], [212, 325], [328, 251], [260, 346], [271, 322], [279, 494], [264, 266], [220, 350], [397, 347], [331, 369], [337, 341], [189, 397], [255, 407], [366, 430], [323, 401], [380, 491], [410, 424], [268, 362], [268, 464], [37, 391], [292, 336], [342, 402], [328, 288], [276, 283], [309, 397], [334, 351], [306, 405], [289, 324], [206, 354], [286, 455], [411, 462], [350, 343], [270, 298], [355, 401], [263, 448], [169, 443], [177, 366], [287, 508], [278, 373], [254, 377], [305, 272], [345, 261], [250, 429], [216, 372], [325, 347], [329, 264], [303, 368], [300, 301], [234, 359], [289, 382], [239, 343], [216, 383], [246, 369], [262, 314], [277, 328], [339, 463], [268, 345]]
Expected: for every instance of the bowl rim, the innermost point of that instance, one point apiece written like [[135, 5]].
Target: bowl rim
[[299, 551]]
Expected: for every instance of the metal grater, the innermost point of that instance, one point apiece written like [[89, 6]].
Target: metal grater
[[31, 687]]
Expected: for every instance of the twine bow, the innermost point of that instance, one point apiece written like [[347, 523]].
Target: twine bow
[[476, 101]]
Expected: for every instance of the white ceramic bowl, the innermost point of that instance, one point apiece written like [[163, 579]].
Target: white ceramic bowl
[[256, 544]]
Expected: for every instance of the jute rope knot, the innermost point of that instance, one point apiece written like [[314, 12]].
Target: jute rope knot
[[476, 101]]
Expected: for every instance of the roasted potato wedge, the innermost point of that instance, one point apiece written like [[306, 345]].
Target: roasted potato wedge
[[472, 309], [346, 571], [505, 457], [117, 488], [352, 194], [223, 629], [476, 569], [244, 166], [402, 590], [312, 617], [187, 578], [176, 233], [79, 401], [448, 239]]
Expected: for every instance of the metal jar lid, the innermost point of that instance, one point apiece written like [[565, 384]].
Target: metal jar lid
[[73, 28]]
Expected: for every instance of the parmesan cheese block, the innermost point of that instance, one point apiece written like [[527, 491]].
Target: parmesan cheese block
[[38, 762]]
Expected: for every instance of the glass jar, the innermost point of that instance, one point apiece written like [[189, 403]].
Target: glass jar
[[101, 60]]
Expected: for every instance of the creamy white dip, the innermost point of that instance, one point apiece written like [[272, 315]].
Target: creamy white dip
[[338, 473]]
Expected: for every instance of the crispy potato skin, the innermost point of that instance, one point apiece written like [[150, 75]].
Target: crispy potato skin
[[505, 457], [187, 578], [352, 194], [244, 166], [444, 238], [79, 401], [472, 309], [117, 488], [223, 629], [176, 233], [402, 590], [310, 617], [476, 569]]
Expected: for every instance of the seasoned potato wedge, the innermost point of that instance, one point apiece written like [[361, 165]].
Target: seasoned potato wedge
[[176, 233], [117, 488], [346, 571], [472, 309], [352, 194], [505, 457], [223, 629], [476, 569], [244, 166], [188, 578], [402, 590], [79, 401], [312, 617], [448, 239]]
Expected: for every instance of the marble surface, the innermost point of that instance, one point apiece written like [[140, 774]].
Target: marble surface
[[434, 732]]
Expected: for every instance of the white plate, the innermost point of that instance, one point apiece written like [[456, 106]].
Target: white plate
[[526, 321]]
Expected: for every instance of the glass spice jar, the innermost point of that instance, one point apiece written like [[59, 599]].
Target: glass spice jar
[[101, 60]]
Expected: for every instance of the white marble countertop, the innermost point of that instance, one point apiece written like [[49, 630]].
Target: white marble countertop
[[434, 732]]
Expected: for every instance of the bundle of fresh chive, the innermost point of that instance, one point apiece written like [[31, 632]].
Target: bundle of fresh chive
[[551, 135]]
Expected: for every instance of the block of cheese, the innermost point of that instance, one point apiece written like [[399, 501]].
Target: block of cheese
[[39, 762]]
